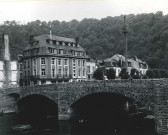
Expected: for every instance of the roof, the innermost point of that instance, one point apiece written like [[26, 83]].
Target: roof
[[41, 45], [40, 41], [58, 38]]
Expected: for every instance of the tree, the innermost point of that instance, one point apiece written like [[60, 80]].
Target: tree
[[150, 73], [133, 71], [124, 74], [98, 74], [111, 74], [136, 75]]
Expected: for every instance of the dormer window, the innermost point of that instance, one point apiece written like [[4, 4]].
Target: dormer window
[[51, 50], [66, 43], [78, 53], [129, 64], [65, 51], [54, 42], [73, 52], [59, 51], [60, 42]]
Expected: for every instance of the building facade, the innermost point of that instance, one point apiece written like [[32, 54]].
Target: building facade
[[90, 67], [50, 59], [117, 62]]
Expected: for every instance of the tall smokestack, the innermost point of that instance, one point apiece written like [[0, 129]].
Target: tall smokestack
[[7, 62], [6, 44]]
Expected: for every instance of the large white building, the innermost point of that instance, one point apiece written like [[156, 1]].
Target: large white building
[[50, 59]]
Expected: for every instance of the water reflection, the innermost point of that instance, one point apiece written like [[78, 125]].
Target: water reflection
[[70, 128]]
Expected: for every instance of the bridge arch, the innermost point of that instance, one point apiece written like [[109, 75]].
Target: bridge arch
[[128, 92], [40, 93]]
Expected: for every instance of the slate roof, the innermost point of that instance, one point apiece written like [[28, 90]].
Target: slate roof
[[40, 41]]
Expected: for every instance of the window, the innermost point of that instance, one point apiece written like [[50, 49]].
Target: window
[[53, 72], [83, 63], [28, 64], [65, 62], [25, 64], [66, 72], [59, 51], [59, 72], [25, 74], [53, 61], [51, 50], [88, 69], [65, 51], [78, 53], [34, 62], [42, 61], [43, 72], [59, 61], [35, 72], [28, 73], [73, 52], [78, 62], [74, 73], [83, 72], [79, 73]]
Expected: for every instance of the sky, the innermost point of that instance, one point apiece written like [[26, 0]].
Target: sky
[[66, 10]]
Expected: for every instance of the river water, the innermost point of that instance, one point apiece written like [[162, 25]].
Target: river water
[[54, 127]]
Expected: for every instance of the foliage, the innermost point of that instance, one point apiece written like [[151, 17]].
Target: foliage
[[110, 73], [150, 74], [98, 74], [103, 38], [133, 71], [157, 73], [136, 75], [124, 74]]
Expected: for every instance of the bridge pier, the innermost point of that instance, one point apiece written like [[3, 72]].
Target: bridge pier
[[161, 109]]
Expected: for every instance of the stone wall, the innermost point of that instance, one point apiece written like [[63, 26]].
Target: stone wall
[[7, 102], [151, 93]]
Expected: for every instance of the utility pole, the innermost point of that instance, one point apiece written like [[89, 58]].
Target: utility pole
[[125, 32]]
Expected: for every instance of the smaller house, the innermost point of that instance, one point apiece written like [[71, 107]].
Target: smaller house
[[117, 62], [90, 68]]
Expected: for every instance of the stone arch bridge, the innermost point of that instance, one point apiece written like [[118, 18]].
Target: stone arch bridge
[[153, 93]]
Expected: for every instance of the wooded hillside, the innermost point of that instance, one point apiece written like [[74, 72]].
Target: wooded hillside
[[147, 39]]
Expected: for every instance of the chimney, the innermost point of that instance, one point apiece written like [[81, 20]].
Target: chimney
[[50, 34], [7, 62], [6, 44], [31, 38], [77, 40]]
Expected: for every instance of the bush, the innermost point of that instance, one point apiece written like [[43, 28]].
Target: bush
[[124, 74], [150, 73], [111, 74], [136, 75], [133, 71], [157, 73], [98, 74]]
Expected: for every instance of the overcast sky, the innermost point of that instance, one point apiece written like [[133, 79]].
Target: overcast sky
[[66, 10]]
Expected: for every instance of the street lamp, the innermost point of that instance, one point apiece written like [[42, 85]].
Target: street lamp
[[125, 32]]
